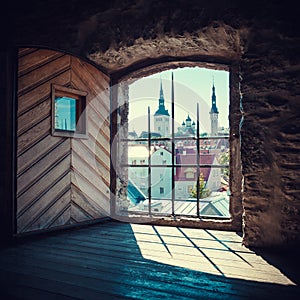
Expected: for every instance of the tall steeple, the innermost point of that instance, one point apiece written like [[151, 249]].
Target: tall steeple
[[161, 103], [214, 125], [214, 108], [161, 93], [162, 116]]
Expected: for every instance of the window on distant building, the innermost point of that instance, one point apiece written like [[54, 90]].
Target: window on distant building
[[68, 112], [189, 175], [161, 190]]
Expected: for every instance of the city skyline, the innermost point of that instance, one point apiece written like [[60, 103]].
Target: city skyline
[[191, 86]]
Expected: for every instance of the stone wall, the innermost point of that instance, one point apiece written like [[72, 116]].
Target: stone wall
[[270, 140], [120, 36]]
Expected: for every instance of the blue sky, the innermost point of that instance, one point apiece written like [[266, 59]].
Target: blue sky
[[191, 85]]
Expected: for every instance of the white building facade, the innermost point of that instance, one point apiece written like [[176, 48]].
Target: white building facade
[[161, 177]]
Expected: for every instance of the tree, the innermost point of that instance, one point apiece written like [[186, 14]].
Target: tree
[[224, 160], [203, 191]]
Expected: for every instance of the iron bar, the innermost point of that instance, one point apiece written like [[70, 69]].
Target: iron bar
[[173, 148], [149, 162], [198, 163], [191, 138], [175, 165]]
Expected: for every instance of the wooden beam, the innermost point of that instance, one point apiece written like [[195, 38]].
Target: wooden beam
[[8, 62]]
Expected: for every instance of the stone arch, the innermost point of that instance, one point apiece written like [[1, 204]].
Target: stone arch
[[120, 94], [217, 42]]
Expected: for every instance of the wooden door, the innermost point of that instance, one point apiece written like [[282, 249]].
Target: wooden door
[[60, 181]]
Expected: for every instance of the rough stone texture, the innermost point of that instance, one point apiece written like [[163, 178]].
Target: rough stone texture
[[122, 201], [214, 41], [121, 36], [271, 136], [123, 33], [235, 119]]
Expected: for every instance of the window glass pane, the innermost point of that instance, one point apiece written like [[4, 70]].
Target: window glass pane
[[161, 189], [138, 154], [211, 145], [216, 205], [186, 126], [161, 182], [212, 152], [65, 113], [214, 192], [185, 203], [186, 152], [161, 155], [137, 188]]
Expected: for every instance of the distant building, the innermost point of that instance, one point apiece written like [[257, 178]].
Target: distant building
[[186, 177], [214, 124], [145, 135], [162, 116], [132, 135], [161, 177], [185, 154], [187, 129], [216, 205], [161, 184], [138, 155]]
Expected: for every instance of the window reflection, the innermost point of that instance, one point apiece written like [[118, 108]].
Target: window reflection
[[65, 113]]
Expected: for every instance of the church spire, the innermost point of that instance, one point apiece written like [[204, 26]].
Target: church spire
[[214, 109], [214, 126], [161, 103], [161, 93]]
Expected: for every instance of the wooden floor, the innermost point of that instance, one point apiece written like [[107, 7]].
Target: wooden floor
[[114, 260]]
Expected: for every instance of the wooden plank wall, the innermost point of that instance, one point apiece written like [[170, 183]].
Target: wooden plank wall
[[60, 181], [90, 176]]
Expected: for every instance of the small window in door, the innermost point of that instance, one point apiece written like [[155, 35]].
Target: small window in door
[[68, 112]]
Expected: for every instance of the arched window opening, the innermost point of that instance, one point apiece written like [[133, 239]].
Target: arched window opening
[[178, 123]]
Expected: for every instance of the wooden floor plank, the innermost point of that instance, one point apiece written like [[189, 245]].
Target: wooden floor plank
[[17, 291], [133, 261], [156, 245], [192, 259], [154, 272], [55, 288], [123, 263], [133, 280], [195, 260], [99, 284]]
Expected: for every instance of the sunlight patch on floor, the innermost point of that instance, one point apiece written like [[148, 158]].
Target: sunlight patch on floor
[[210, 251]]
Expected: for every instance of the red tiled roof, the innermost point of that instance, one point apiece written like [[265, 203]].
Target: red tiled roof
[[192, 159]]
